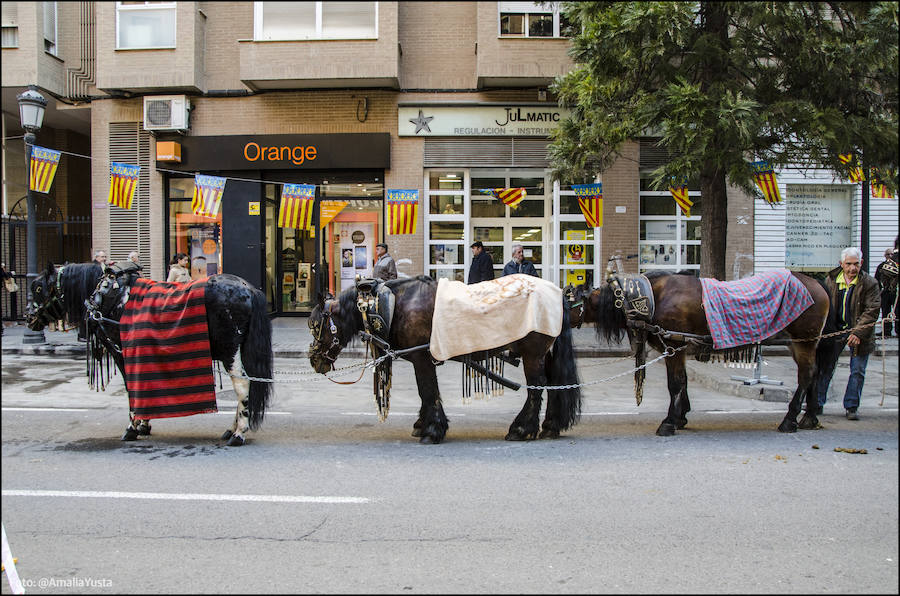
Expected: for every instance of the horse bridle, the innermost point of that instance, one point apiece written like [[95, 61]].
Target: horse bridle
[[570, 300], [317, 328], [52, 310]]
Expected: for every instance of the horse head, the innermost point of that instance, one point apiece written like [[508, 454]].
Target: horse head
[[326, 344], [46, 304], [112, 291]]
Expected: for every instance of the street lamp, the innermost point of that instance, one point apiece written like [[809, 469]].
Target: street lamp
[[31, 114]]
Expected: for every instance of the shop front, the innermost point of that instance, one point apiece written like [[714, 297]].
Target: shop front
[[291, 265]]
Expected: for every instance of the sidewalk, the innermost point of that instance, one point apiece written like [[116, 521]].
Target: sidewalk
[[291, 339]]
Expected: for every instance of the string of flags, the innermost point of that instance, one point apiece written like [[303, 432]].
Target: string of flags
[[679, 190], [402, 211], [43, 168], [764, 176], [590, 200], [296, 210], [856, 173], [509, 196], [122, 183]]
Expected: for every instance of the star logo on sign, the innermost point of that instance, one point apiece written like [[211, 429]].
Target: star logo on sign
[[422, 122]]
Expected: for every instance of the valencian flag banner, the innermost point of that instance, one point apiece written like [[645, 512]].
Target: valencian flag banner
[[590, 199], [764, 176], [123, 180], [403, 210], [297, 202], [879, 190], [679, 190], [43, 168], [207, 195], [856, 174], [509, 196]]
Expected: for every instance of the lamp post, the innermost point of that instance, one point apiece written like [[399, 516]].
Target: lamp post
[[31, 114]]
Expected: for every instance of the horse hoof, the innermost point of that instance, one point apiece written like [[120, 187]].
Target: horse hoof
[[227, 434], [417, 432], [235, 441], [130, 434], [665, 429], [143, 430], [809, 422], [787, 426], [549, 434], [517, 436], [429, 440], [681, 423]]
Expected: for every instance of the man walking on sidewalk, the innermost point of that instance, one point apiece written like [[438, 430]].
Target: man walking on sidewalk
[[855, 301]]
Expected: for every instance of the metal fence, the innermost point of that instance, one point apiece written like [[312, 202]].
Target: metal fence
[[57, 242]]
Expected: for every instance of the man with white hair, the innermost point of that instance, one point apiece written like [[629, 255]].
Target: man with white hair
[[855, 302], [518, 264]]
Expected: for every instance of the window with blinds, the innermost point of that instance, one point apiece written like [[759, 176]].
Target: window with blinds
[[129, 229], [50, 28], [10, 25]]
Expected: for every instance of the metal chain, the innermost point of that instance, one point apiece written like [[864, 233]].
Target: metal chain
[[888, 319]]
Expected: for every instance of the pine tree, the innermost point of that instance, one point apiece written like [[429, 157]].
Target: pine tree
[[723, 84]]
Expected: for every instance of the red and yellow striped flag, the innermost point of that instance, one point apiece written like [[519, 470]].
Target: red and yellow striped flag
[[856, 174], [43, 168], [879, 190], [590, 199], [403, 211], [123, 180], [297, 201], [207, 195], [764, 176], [509, 196], [679, 190]]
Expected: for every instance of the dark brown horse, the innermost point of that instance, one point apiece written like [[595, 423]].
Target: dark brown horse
[[679, 308], [547, 361]]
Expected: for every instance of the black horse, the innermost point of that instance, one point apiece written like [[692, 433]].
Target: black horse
[[547, 361], [240, 332], [678, 308]]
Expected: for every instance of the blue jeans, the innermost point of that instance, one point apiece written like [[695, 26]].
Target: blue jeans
[[854, 383]]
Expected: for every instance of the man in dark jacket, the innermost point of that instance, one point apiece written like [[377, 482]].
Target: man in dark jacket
[[518, 264], [855, 301], [482, 267]]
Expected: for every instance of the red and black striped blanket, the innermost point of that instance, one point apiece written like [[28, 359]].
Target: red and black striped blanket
[[165, 343]]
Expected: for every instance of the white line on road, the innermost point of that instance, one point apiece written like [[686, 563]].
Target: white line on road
[[49, 409], [86, 494], [231, 413]]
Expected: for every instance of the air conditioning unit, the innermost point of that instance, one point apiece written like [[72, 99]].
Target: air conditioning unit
[[166, 112]]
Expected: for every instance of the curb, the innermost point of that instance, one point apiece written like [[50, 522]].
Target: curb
[[771, 393]]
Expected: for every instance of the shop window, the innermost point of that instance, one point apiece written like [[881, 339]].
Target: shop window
[[445, 204], [667, 239], [315, 20], [446, 254], [444, 180], [200, 238], [445, 230], [142, 25], [531, 19]]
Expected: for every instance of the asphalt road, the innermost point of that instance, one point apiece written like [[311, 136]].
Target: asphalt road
[[325, 498]]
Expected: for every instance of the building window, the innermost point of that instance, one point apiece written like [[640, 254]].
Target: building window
[[200, 238], [10, 22], [531, 19], [50, 28], [292, 21], [145, 25], [667, 239], [10, 36]]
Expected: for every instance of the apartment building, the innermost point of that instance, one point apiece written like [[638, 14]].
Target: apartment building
[[355, 98]]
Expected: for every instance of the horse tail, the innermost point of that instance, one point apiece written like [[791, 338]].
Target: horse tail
[[256, 356], [561, 370]]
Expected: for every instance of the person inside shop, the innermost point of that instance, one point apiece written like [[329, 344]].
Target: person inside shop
[[178, 271], [482, 267], [888, 294], [518, 264], [385, 268], [855, 303]]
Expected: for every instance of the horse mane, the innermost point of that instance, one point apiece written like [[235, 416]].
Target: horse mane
[[348, 319], [78, 281], [611, 323]]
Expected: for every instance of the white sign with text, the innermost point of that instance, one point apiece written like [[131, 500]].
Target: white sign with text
[[817, 225]]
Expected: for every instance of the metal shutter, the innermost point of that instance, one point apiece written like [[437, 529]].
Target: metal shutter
[[485, 152], [129, 229]]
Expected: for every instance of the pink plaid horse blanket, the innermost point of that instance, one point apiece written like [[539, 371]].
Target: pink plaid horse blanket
[[752, 309]]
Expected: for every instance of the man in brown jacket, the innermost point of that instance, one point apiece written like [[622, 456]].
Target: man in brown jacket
[[855, 301]]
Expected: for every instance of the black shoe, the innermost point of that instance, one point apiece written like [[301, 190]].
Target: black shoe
[[852, 415]]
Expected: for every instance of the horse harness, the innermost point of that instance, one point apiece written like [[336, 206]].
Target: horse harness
[[376, 302], [52, 310]]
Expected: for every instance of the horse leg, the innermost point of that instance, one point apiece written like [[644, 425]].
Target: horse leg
[[432, 421], [235, 434], [143, 427], [804, 354], [131, 431], [679, 404], [526, 424]]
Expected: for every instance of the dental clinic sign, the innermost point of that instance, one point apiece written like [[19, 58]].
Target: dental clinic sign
[[479, 120]]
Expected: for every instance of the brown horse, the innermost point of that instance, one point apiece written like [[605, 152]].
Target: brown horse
[[679, 308], [547, 361]]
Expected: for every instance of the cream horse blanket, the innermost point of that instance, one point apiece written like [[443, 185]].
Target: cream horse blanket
[[493, 313]]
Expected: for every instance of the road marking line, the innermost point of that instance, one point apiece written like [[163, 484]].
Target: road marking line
[[86, 494], [50, 409], [231, 413]]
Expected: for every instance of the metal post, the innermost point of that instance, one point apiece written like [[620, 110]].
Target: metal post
[[757, 378], [31, 337]]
